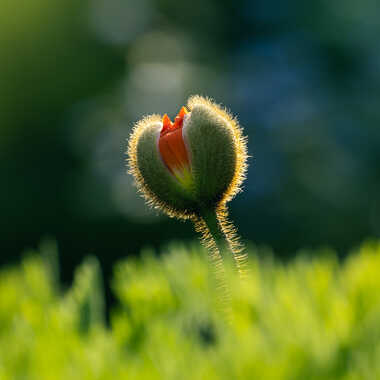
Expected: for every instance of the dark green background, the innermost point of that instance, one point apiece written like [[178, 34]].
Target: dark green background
[[303, 78]]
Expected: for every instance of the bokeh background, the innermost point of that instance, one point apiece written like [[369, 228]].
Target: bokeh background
[[303, 78]]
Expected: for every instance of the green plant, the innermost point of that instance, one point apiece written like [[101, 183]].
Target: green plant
[[190, 169], [314, 318]]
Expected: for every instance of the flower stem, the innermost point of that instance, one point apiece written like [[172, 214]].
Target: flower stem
[[212, 238], [225, 236], [211, 220]]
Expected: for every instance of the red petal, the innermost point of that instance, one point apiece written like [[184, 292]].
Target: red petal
[[173, 150], [171, 145], [166, 124], [178, 121], [182, 112]]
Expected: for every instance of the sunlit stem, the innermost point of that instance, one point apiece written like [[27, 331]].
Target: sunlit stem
[[226, 238], [212, 239], [211, 220]]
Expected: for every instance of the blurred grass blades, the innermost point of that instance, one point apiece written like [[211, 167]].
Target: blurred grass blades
[[313, 318]]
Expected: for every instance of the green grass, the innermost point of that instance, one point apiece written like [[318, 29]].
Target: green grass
[[314, 318]]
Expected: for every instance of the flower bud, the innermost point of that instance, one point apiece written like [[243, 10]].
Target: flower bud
[[197, 162]]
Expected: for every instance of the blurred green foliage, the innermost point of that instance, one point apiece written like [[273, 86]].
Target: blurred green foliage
[[314, 318]]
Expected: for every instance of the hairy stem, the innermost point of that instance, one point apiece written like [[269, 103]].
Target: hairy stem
[[211, 220], [236, 247], [218, 233], [225, 236], [211, 241]]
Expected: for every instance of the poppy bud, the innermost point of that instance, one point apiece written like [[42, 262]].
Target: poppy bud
[[190, 169], [195, 163]]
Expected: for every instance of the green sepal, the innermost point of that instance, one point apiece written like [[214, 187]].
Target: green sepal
[[211, 142]]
